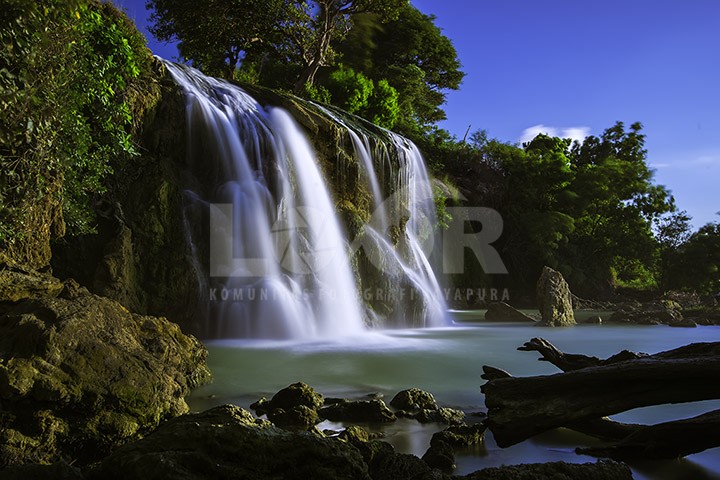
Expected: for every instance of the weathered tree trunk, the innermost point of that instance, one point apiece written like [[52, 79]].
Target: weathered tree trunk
[[519, 408], [665, 440]]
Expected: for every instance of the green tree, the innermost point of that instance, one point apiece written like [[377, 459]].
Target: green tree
[[216, 35], [317, 25], [382, 108], [697, 265], [672, 232], [71, 82], [615, 206], [349, 90], [413, 55]]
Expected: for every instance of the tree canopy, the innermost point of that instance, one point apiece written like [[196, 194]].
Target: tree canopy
[[310, 47]]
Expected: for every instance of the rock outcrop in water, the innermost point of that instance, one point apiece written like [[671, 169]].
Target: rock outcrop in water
[[80, 374], [554, 300]]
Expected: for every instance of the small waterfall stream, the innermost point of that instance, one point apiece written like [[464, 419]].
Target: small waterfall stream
[[279, 260]]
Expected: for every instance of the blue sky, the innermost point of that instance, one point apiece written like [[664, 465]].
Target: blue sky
[[576, 67]]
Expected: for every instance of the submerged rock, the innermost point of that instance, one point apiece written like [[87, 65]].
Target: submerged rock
[[448, 416], [553, 299], [414, 399], [82, 375], [363, 411], [460, 435], [502, 312]]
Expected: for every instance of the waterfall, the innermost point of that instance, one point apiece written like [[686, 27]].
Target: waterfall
[[279, 259]]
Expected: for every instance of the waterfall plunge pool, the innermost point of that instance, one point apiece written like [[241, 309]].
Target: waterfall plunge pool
[[447, 362]]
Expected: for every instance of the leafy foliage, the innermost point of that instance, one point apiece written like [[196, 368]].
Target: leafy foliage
[[697, 263], [65, 111], [585, 209], [296, 45], [413, 55], [216, 35]]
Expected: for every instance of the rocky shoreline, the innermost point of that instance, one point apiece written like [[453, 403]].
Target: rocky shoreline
[[89, 390]]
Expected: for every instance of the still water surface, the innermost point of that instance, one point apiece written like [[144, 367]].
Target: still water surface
[[447, 362]]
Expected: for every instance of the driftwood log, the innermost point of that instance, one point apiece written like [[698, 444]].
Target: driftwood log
[[591, 389]]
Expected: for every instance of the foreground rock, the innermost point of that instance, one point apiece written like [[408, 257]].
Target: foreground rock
[[502, 312], [553, 299], [228, 442], [18, 284], [295, 407], [556, 471], [80, 375]]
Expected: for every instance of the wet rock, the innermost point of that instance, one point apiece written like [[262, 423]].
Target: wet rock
[[460, 435], [652, 316], [448, 416], [553, 299], [602, 470], [594, 320], [297, 418], [295, 407], [502, 312], [440, 455], [227, 442], [363, 411], [414, 399], [295, 395], [683, 323], [80, 377], [354, 434]]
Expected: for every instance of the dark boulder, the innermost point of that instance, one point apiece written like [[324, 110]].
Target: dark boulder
[[82, 375], [460, 435], [228, 442], [448, 416], [414, 399], [440, 455], [362, 411]]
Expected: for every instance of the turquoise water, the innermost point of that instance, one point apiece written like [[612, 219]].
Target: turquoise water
[[447, 362]]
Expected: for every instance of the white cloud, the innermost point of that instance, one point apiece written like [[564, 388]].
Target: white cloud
[[575, 133], [661, 165]]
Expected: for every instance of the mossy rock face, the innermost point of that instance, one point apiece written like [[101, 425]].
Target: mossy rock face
[[80, 374], [227, 442], [18, 283]]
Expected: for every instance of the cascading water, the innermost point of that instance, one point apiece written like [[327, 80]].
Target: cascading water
[[279, 261]]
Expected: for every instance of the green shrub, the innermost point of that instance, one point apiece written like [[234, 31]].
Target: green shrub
[[66, 107], [350, 90]]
